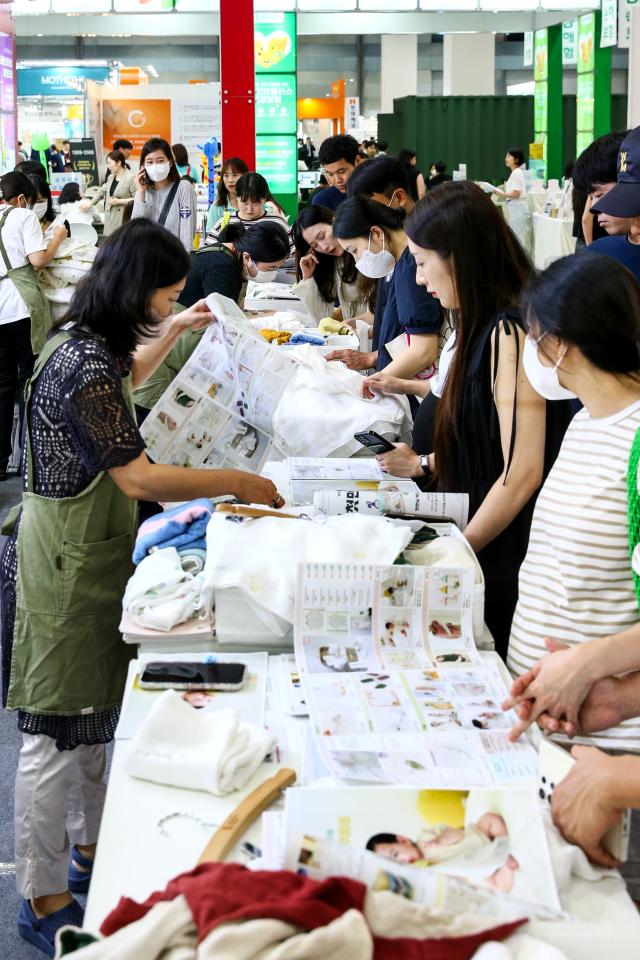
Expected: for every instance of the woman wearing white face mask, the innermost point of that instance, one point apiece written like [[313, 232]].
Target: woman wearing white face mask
[[576, 584], [223, 268], [24, 312], [43, 206], [407, 320], [162, 196]]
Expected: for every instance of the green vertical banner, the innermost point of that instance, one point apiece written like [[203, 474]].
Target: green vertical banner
[[546, 152], [593, 99], [277, 105]]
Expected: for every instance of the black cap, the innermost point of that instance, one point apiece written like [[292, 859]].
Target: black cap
[[623, 200]]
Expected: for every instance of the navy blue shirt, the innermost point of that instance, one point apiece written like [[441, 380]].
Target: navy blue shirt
[[621, 249], [409, 308], [329, 197]]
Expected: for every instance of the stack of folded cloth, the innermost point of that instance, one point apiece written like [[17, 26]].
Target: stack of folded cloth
[[208, 750], [182, 527], [162, 593]]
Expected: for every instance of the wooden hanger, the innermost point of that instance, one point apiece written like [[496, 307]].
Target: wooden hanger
[[240, 510], [239, 820]]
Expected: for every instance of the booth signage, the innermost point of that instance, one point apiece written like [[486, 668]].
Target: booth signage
[[57, 81], [277, 161], [85, 160], [569, 43], [275, 42], [276, 103], [7, 85], [351, 113], [624, 21], [587, 43]]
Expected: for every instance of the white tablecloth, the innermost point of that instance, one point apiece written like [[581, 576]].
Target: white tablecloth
[[552, 239]]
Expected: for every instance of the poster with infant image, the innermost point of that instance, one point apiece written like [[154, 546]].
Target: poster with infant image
[[492, 838]]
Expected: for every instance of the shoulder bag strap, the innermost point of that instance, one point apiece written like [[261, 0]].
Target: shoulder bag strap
[[167, 204], [3, 249], [510, 325]]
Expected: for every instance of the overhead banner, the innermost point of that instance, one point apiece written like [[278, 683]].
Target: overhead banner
[[569, 43], [351, 113], [136, 121], [528, 49], [624, 21], [609, 23]]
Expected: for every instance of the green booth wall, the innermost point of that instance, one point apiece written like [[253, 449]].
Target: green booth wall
[[476, 130]]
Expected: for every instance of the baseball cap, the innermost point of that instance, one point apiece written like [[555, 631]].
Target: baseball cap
[[623, 200]]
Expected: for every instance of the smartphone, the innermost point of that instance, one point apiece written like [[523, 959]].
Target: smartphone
[[374, 442], [144, 179], [68, 228], [192, 675]]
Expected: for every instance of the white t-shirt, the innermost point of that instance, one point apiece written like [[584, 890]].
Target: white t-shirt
[[517, 182], [446, 359], [22, 235], [575, 582]]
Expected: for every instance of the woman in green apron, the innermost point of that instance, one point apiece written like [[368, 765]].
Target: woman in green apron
[[64, 663], [24, 311]]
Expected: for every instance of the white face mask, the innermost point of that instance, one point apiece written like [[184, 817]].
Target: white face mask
[[40, 209], [263, 276], [158, 171], [544, 380], [376, 265]]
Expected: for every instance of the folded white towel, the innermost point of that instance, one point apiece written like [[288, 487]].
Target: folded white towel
[[196, 749]]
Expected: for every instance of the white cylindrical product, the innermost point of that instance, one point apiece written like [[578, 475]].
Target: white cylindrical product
[[338, 502], [413, 504]]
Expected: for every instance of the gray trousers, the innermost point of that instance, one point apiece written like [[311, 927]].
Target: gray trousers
[[58, 801]]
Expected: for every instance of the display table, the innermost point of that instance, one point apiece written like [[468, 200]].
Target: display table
[[136, 856], [552, 238]]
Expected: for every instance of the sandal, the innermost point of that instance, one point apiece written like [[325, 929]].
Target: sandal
[[79, 880], [41, 931]]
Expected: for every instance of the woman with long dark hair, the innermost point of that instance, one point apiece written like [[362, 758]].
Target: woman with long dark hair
[[226, 197], [64, 663], [327, 274], [162, 196], [495, 438]]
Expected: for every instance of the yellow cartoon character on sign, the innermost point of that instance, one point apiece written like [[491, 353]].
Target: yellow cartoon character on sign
[[586, 48], [271, 49]]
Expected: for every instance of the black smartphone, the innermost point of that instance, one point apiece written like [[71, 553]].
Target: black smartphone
[[374, 442], [68, 228], [144, 179], [192, 675]]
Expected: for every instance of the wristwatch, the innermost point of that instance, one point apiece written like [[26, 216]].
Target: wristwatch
[[424, 463]]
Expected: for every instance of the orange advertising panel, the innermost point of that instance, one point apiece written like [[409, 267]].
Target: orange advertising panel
[[135, 120]]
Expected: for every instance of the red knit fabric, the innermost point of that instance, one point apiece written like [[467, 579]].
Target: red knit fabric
[[220, 893]]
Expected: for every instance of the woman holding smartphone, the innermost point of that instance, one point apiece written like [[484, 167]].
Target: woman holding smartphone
[[64, 570], [162, 196]]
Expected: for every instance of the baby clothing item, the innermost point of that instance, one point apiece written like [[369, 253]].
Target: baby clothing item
[[328, 325], [261, 556], [275, 336], [192, 559], [306, 338], [196, 749], [161, 593], [181, 526]]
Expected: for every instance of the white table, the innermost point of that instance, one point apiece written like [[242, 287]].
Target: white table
[[552, 238], [134, 858]]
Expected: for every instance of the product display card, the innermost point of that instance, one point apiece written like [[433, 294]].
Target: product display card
[[484, 851], [249, 701], [219, 410], [395, 687]]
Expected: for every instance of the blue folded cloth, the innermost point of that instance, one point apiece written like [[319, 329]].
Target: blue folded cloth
[[183, 526], [306, 338]]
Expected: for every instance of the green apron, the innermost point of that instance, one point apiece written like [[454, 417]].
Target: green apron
[[74, 560], [24, 280]]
